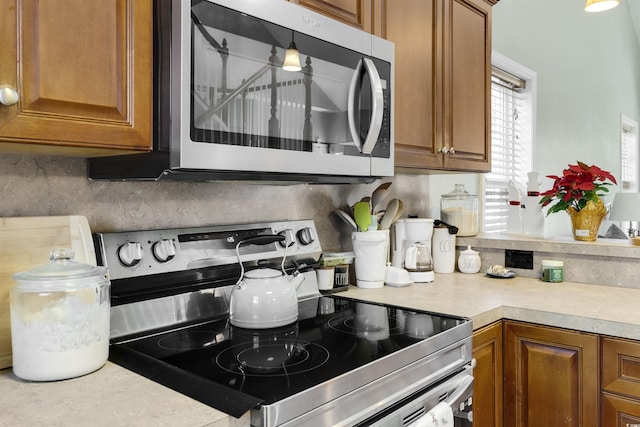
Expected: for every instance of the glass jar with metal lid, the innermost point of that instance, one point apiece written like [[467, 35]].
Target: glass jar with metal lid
[[460, 208], [60, 319]]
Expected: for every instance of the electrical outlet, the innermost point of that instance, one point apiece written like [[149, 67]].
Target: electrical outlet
[[518, 259]]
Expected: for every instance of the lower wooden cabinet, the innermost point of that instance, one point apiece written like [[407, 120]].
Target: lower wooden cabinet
[[487, 389], [618, 411], [550, 377], [620, 382]]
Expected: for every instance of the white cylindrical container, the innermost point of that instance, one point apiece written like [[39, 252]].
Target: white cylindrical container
[[60, 319], [443, 251], [371, 249]]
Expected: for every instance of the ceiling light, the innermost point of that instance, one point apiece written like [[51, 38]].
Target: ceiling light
[[292, 57], [600, 5]]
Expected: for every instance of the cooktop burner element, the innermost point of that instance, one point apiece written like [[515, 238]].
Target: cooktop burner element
[[271, 358]]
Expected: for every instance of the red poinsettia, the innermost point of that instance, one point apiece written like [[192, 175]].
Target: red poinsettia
[[577, 185]]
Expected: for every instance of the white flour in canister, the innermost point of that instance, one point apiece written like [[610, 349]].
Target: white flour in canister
[[465, 219], [65, 338]]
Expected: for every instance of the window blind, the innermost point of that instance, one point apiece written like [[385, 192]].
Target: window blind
[[510, 146], [629, 156]]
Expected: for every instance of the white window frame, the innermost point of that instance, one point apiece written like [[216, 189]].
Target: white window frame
[[530, 77], [629, 155]]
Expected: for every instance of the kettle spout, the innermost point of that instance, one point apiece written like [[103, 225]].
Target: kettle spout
[[296, 279]]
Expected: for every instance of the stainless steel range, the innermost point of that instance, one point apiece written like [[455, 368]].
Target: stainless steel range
[[342, 363]]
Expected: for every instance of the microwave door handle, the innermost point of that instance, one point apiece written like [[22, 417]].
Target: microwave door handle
[[377, 107], [351, 105]]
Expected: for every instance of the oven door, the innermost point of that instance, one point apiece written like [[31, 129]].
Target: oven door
[[455, 391], [235, 108]]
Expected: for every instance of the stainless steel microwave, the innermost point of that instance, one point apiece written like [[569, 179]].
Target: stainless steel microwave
[[227, 109]]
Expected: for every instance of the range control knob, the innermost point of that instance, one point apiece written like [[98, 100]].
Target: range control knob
[[288, 238], [305, 236], [130, 254], [164, 250]]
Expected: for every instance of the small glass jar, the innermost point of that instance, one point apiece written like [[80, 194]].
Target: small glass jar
[[552, 270], [460, 208], [60, 319]]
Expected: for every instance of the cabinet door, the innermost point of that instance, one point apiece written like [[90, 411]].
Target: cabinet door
[[357, 13], [82, 71], [551, 377], [412, 26], [467, 85], [487, 389]]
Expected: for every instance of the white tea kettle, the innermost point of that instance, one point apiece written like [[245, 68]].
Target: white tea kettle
[[265, 297]]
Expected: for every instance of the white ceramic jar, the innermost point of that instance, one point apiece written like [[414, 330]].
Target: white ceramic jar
[[469, 261]]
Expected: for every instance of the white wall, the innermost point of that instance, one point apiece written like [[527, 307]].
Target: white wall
[[588, 69]]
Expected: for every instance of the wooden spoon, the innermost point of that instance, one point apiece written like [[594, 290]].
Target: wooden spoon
[[390, 214], [378, 196]]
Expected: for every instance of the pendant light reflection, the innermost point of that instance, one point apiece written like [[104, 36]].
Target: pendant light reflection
[[292, 57], [600, 5]]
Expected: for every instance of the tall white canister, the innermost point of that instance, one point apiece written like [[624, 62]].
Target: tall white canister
[[443, 250]]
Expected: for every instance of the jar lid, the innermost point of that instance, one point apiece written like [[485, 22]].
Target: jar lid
[[458, 192], [61, 270], [329, 259], [468, 251]]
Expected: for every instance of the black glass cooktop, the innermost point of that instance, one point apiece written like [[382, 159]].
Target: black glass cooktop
[[333, 336]]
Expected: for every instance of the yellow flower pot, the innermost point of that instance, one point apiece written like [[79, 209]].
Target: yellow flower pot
[[586, 222]]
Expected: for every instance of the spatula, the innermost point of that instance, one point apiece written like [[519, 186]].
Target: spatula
[[362, 215]]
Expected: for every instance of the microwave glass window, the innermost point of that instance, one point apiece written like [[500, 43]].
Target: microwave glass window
[[241, 95]]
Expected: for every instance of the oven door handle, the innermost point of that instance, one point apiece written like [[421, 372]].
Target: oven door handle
[[377, 106], [460, 393]]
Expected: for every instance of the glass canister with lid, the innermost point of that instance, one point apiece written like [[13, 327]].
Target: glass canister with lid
[[60, 319], [460, 208]]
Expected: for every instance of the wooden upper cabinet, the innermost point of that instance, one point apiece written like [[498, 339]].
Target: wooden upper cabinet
[[411, 25], [83, 74], [442, 82], [550, 377], [357, 13], [467, 85]]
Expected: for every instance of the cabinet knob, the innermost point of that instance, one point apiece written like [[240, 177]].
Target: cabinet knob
[[444, 150], [452, 150], [8, 95]]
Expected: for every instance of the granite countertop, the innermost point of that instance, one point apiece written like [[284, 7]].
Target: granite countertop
[[116, 396], [111, 396], [606, 310]]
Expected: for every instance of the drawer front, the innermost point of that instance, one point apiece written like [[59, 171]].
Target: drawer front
[[619, 412], [621, 366]]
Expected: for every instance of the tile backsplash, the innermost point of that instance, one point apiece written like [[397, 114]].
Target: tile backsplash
[[33, 185]]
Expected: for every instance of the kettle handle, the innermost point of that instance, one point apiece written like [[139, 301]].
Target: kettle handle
[[263, 239]]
